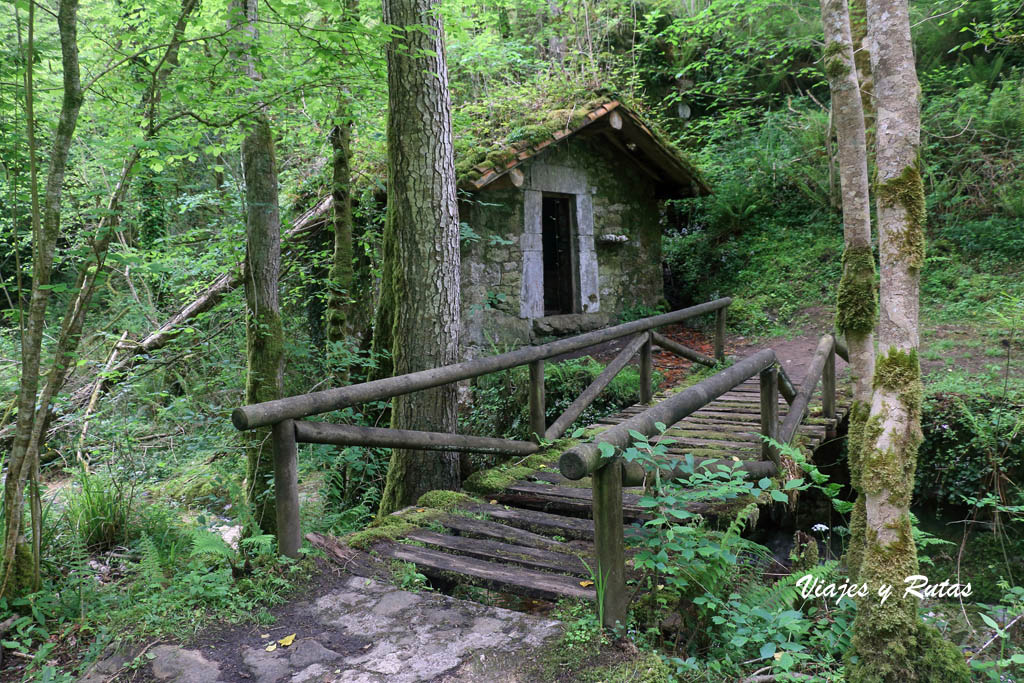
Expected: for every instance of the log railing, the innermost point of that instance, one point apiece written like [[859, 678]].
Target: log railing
[[289, 428], [610, 474]]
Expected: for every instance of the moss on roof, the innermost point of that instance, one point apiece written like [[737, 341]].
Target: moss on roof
[[490, 133]]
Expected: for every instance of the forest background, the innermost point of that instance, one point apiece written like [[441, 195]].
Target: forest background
[[137, 481]]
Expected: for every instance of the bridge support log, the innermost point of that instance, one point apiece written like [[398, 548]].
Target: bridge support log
[[590, 394], [683, 351], [770, 414], [646, 363], [720, 335], [610, 572], [538, 418], [286, 488]]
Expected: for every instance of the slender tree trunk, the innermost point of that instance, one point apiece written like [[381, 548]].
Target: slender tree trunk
[[421, 285], [862, 59], [24, 454], [890, 643], [339, 295], [857, 304], [264, 334], [90, 271]]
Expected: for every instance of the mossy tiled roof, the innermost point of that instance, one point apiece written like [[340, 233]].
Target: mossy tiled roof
[[481, 163]]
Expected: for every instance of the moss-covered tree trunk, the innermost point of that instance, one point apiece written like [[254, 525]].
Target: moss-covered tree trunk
[[890, 643], [264, 336], [420, 290], [857, 302]]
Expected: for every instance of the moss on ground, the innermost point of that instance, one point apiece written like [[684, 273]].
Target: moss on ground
[[390, 528]]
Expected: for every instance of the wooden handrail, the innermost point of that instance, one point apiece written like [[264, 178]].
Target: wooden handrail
[[798, 408], [611, 474], [306, 405], [375, 437], [283, 413], [589, 394]]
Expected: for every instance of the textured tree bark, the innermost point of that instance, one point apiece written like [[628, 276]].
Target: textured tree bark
[[857, 302], [264, 335], [24, 454], [862, 58], [421, 241], [889, 642]]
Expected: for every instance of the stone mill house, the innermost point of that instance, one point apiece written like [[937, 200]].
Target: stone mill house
[[562, 232]]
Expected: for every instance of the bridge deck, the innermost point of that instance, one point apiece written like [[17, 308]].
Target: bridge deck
[[535, 538]]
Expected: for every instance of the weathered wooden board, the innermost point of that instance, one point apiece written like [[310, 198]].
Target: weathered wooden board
[[538, 522], [496, 551], [528, 582], [501, 532]]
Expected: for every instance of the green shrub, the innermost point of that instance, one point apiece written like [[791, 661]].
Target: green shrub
[[99, 510], [968, 442]]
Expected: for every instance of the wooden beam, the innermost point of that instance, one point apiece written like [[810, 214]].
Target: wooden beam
[[586, 458], [353, 435], [798, 409], [684, 351], [261, 414], [576, 408], [286, 488]]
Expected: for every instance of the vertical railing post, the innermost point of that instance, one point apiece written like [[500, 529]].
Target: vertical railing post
[[646, 363], [286, 488], [828, 387], [609, 541], [770, 414], [720, 334], [538, 422]]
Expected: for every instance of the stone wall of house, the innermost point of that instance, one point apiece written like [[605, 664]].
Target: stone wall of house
[[624, 235], [492, 272]]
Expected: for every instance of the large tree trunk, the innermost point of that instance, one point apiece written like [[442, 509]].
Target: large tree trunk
[[421, 239], [857, 302], [24, 453], [889, 641]]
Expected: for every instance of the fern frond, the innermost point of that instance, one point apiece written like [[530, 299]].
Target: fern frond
[[783, 593], [208, 543], [150, 568]]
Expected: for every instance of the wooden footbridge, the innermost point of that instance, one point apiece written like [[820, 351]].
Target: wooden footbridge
[[561, 521]]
